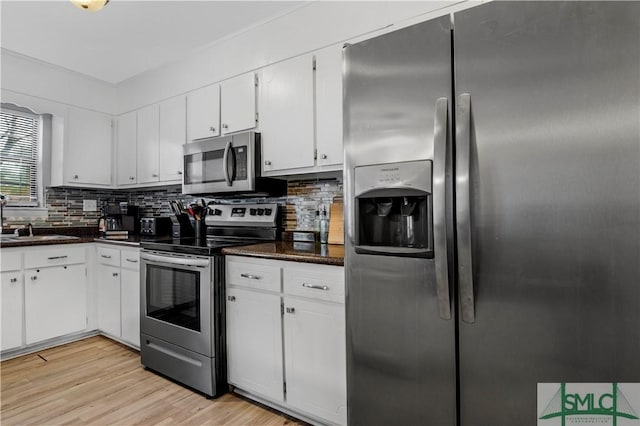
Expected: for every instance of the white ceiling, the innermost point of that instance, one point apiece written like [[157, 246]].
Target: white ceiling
[[126, 38]]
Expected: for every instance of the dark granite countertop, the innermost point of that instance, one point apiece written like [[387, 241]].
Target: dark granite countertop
[[327, 254], [77, 234]]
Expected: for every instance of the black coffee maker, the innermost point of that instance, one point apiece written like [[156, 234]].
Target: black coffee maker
[[121, 217]]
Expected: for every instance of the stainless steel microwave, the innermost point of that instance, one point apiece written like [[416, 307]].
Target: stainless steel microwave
[[227, 164]]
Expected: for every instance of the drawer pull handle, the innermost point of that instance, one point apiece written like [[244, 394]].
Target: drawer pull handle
[[251, 277], [105, 256], [57, 257], [14, 280], [132, 260], [291, 310], [115, 274], [231, 298], [315, 287]]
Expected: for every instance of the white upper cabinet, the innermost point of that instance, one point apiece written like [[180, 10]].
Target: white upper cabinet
[[148, 153], [203, 112], [286, 115], [238, 103], [173, 133], [126, 149], [329, 106], [87, 154]]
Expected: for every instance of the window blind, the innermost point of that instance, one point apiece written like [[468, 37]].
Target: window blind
[[19, 141]]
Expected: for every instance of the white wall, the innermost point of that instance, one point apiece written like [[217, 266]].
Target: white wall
[[305, 29], [26, 76]]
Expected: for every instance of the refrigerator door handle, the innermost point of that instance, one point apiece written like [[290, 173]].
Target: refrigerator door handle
[[439, 207], [463, 207]]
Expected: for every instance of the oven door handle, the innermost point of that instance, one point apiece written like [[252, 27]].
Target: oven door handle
[[170, 260]]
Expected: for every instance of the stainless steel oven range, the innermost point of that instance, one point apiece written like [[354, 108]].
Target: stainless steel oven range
[[182, 318]]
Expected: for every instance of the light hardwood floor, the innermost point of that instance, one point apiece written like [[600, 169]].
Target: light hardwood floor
[[99, 382]]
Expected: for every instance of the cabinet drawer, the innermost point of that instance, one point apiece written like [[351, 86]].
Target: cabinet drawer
[[63, 254], [258, 274], [130, 259], [319, 282], [11, 260], [108, 256]]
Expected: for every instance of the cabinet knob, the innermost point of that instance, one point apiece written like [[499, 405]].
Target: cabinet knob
[[213, 129], [267, 163], [291, 310], [132, 178], [154, 175], [14, 280], [34, 277], [225, 126], [115, 274], [75, 176], [231, 298], [179, 172], [323, 156]]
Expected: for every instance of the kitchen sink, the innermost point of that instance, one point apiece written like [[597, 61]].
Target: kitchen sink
[[11, 238]]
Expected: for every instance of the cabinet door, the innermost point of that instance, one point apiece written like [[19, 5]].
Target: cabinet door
[[11, 309], [173, 134], [109, 299], [126, 149], [130, 306], [148, 151], [286, 115], [254, 342], [315, 358], [87, 157], [238, 103], [203, 113], [55, 301], [329, 106]]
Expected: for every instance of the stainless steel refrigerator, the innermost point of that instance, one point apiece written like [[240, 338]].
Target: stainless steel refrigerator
[[492, 181]]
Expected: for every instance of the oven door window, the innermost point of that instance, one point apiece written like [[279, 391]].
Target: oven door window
[[173, 296]]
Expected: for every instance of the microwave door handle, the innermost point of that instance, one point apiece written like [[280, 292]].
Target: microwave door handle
[[225, 167]]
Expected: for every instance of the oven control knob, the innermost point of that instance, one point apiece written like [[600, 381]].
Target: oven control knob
[[260, 212], [253, 212], [267, 212], [217, 212]]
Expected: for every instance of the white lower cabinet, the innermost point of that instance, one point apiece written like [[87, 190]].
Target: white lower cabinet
[[118, 280], [12, 309], [109, 299], [286, 335], [55, 301], [314, 349], [254, 342], [44, 293], [130, 296]]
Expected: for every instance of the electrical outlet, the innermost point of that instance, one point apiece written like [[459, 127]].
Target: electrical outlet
[[89, 205]]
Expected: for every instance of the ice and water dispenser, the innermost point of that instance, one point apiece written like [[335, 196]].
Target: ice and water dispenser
[[393, 209]]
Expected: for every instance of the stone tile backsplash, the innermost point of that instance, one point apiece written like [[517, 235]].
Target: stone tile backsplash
[[65, 205]]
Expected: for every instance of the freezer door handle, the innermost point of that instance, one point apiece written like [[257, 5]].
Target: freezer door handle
[[439, 207], [463, 207]]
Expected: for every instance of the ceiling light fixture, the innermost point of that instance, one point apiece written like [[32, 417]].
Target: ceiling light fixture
[[90, 5]]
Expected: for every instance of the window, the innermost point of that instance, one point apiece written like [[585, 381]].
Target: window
[[20, 142]]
